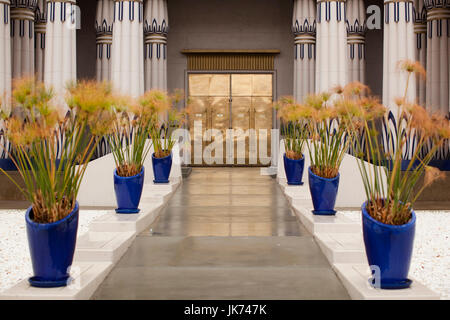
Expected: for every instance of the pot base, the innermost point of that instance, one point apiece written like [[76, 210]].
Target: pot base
[[295, 183], [161, 181], [127, 211], [393, 285], [39, 283], [324, 212]]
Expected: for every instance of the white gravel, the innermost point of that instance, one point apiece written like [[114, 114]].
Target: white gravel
[[431, 258], [15, 263]]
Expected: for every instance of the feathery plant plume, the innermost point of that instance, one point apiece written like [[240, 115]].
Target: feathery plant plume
[[133, 122], [52, 169], [391, 201], [328, 144], [295, 127], [167, 117]]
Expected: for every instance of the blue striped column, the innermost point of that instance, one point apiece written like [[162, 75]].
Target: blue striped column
[[22, 35], [438, 60], [304, 29], [156, 27], [127, 70]]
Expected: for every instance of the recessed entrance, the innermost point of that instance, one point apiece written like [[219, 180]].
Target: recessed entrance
[[241, 102]]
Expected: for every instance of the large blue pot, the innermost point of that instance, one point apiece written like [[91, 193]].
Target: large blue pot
[[323, 192], [161, 168], [52, 246], [390, 249], [294, 170], [128, 192]]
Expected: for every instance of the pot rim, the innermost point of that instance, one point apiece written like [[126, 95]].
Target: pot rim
[[322, 178], [153, 156], [403, 226], [53, 224], [132, 177], [302, 159]]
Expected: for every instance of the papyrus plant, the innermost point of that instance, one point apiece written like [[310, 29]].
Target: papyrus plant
[[391, 200], [295, 129], [167, 117], [51, 148], [328, 143], [132, 125]]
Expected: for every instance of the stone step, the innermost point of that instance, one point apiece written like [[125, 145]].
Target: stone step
[[293, 193], [323, 224], [112, 222], [355, 279], [103, 246], [87, 276], [153, 191], [342, 247]]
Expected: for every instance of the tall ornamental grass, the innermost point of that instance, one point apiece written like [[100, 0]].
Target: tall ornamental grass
[[51, 148], [328, 143], [295, 127], [129, 137], [166, 117], [391, 201]]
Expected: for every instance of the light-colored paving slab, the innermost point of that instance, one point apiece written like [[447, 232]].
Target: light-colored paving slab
[[87, 276], [342, 247], [355, 279], [103, 246], [323, 224], [113, 222]]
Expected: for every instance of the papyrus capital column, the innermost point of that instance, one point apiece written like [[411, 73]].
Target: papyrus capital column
[[60, 52], [5, 49], [40, 26], [438, 60], [331, 35], [399, 45], [356, 40], [5, 68], [304, 29], [22, 34], [420, 31], [103, 27], [127, 70], [156, 27]]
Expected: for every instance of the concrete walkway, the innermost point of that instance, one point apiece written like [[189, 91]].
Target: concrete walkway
[[227, 233]]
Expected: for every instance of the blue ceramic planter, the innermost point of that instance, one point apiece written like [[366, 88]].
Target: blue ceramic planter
[[323, 192], [128, 192], [52, 247], [294, 170], [390, 249], [161, 168]]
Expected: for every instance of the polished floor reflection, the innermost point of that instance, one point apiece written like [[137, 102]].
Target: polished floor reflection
[[227, 202], [227, 233]]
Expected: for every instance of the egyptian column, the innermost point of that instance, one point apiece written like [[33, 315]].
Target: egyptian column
[[331, 35], [22, 36], [438, 43], [304, 28], [5, 50], [420, 30], [5, 68], [356, 40], [156, 27], [39, 32], [399, 44], [103, 28], [60, 52], [127, 70]]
